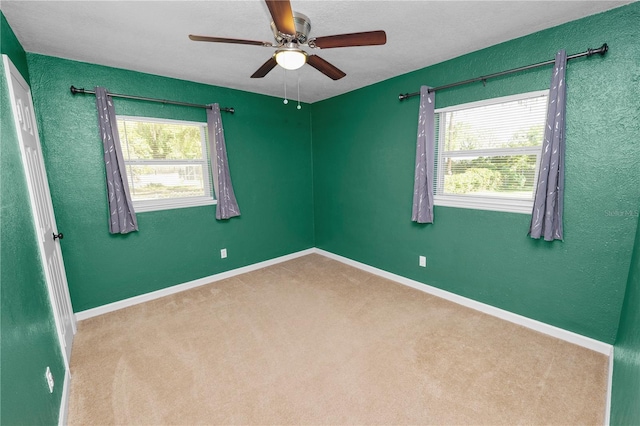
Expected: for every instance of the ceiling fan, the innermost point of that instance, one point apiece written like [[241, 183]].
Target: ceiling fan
[[291, 31]]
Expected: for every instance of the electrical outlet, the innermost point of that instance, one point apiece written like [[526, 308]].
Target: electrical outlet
[[223, 253], [423, 261], [49, 377]]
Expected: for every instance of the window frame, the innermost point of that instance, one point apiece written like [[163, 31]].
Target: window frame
[[141, 206], [491, 203]]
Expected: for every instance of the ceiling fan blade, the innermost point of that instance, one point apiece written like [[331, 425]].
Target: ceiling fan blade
[[265, 68], [282, 16], [369, 38], [229, 40], [325, 67]]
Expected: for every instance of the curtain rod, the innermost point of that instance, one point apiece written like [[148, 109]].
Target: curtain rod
[[75, 90], [601, 50]]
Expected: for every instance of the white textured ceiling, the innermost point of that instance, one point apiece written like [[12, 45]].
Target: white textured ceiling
[[151, 36]]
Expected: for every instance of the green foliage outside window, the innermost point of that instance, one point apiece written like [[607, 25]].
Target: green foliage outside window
[[511, 174], [160, 141], [164, 160]]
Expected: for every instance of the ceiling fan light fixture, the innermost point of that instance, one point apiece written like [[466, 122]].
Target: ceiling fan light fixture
[[291, 58]]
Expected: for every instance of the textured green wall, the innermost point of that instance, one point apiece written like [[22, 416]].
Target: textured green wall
[[360, 194], [364, 154], [625, 398], [28, 338], [269, 150], [12, 47]]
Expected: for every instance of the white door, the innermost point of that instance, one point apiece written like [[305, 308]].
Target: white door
[[48, 237]]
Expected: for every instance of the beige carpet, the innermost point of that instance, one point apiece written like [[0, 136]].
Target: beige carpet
[[313, 341]]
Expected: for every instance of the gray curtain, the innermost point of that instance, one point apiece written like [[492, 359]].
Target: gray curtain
[[546, 218], [122, 217], [425, 152], [227, 205]]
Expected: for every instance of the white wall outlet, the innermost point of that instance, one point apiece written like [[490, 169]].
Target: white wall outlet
[[423, 261], [49, 377], [223, 253]]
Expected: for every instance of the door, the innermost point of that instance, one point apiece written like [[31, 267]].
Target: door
[[41, 206]]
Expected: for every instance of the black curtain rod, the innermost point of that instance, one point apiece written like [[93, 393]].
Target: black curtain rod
[[601, 50], [75, 90]]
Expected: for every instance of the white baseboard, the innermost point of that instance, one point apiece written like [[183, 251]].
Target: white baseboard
[[64, 402], [100, 310], [607, 415], [541, 327]]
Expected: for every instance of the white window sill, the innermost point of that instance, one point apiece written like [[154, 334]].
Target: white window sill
[[155, 205], [484, 203]]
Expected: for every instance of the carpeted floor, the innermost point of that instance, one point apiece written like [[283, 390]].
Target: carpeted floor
[[313, 341]]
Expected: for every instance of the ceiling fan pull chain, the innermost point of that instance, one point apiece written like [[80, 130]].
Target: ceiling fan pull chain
[[298, 107], [286, 101]]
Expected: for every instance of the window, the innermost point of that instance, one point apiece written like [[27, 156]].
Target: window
[[488, 153], [167, 163]]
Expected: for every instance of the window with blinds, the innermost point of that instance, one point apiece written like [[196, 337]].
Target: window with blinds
[[166, 161], [487, 152]]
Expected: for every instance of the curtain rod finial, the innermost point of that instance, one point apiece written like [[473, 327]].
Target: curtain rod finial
[[604, 49]]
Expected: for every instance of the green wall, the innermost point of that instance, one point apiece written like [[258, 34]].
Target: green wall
[[364, 154], [12, 47], [269, 150], [625, 398], [28, 338], [353, 184]]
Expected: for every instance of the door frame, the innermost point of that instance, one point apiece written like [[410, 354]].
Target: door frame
[[10, 72]]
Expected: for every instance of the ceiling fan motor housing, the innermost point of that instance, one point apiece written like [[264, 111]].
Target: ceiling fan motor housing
[[303, 27]]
